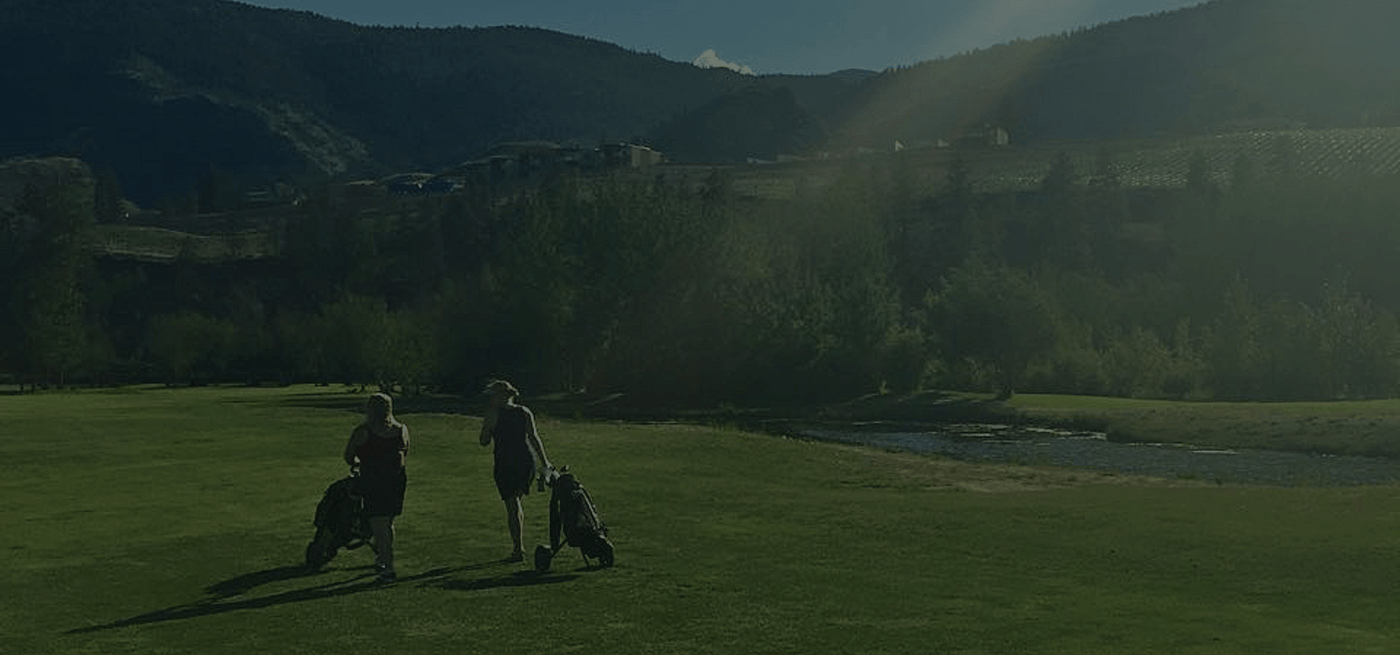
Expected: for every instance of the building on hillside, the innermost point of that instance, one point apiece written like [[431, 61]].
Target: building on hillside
[[527, 159], [406, 184], [919, 144], [988, 136], [364, 189], [628, 155], [526, 162], [279, 193], [526, 155]]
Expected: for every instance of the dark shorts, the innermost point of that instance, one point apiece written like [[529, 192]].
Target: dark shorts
[[384, 492], [513, 478]]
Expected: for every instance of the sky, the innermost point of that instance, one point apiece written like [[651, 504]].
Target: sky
[[813, 36]]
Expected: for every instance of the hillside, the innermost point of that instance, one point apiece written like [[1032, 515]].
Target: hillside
[[189, 102], [753, 122], [170, 94], [1143, 164], [1222, 66]]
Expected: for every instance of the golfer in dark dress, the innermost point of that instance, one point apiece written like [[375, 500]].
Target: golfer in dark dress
[[379, 447], [511, 428]]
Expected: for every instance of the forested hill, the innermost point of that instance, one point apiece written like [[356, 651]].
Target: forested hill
[[1225, 65], [160, 90], [161, 94]]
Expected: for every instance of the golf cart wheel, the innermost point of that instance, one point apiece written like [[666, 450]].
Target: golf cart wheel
[[544, 556], [314, 556], [605, 556], [320, 550]]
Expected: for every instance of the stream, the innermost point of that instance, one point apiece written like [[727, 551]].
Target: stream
[[1092, 450]]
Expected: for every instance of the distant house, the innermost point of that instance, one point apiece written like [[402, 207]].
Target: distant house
[[259, 198], [919, 144], [989, 136], [521, 159], [441, 185], [525, 150], [406, 184], [279, 193], [628, 155], [524, 162]]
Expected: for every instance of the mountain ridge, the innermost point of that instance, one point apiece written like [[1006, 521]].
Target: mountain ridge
[[1219, 66], [169, 96], [415, 98]]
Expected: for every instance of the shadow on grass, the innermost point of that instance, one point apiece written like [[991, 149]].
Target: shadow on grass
[[222, 595], [346, 401], [354, 402], [516, 579], [246, 583]]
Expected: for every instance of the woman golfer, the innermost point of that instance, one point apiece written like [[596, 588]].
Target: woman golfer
[[512, 428], [379, 447]]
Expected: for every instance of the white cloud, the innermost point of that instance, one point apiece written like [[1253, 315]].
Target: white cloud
[[711, 59]]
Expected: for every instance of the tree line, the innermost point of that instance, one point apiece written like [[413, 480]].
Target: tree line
[[1270, 285]]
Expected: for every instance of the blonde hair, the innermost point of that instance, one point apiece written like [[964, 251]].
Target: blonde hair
[[501, 386], [379, 410]]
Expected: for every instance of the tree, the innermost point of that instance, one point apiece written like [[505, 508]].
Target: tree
[[1198, 174], [1359, 342], [1106, 173], [995, 315], [1244, 174], [1233, 347], [905, 359], [47, 298], [1283, 159], [358, 339], [189, 347], [1063, 225]]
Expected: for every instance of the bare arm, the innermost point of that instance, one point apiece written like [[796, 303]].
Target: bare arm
[[488, 426], [357, 439], [532, 436]]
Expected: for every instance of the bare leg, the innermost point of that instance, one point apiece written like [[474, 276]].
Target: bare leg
[[384, 539], [515, 518]]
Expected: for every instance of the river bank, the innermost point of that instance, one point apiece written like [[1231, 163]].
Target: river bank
[[1339, 443], [1364, 428], [1092, 450]]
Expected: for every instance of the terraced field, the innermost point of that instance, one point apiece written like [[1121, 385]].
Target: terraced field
[[1331, 153], [154, 244], [1157, 163]]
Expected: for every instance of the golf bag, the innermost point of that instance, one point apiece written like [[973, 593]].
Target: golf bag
[[341, 522], [573, 515]]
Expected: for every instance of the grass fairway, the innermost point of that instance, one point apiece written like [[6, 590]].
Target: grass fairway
[[172, 521]]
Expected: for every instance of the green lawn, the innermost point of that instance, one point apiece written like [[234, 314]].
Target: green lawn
[[171, 521]]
